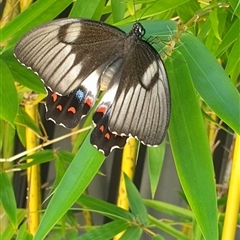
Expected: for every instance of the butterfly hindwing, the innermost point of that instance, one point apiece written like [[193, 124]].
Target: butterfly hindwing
[[68, 110], [104, 140]]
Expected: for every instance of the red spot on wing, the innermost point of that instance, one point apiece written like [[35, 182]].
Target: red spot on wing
[[54, 97], [59, 107], [72, 110], [107, 135], [101, 128], [102, 109], [88, 101]]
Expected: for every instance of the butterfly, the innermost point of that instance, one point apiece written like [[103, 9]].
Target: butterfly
[[76, 58]]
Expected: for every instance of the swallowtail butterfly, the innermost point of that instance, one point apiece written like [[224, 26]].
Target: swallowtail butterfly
[[76, 58]]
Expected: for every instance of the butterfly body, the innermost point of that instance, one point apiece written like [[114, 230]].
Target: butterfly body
[[76, 58]]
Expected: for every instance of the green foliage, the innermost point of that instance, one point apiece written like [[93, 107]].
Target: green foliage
[[193, 49]]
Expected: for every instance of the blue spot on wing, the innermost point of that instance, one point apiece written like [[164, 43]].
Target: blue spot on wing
[[80, 95]]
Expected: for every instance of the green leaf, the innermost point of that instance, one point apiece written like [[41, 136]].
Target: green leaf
[[10, 230], [159, 8], [229, 38], [85, 9], [7, 198], [81, 171], [37, 158], [65, 156], [135, 201], [132, 232], [158, 237], [155, 162], [23, 233], [211, 81], [211, 42], [61, 168], [234, 57], [8, 93], [223, 21], [213, 16], [24, 119], [196, 232], [170, 209], [167, 228], [21, 133], [21, 74], [187, 10], [9, 137], [236, 7], [1, 133], [61, 160], [106, 231], [190, 146], [118, 9], [105, 208]]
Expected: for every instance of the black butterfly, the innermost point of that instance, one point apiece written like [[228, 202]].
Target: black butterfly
[[76, 58]]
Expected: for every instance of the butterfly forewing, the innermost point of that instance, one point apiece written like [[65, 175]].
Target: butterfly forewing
[[66, 51]]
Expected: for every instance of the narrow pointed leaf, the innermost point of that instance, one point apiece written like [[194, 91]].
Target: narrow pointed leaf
[[107, 209], [135, 201], [81, 171], [84, 9], [168, 229], [7, 199], [155, 162], [211, 81], [106, 231], [191, 149], [133, 232], [8, 94]]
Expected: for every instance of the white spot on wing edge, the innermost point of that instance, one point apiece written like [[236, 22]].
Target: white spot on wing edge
[[112, 148]]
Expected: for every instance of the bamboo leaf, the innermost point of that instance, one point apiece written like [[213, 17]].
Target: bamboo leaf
[[105, 208], [7, 198], [155, 162], [8, 95], [106, 231], [168, 229], [170, 209], [132, 232], [190, 148], [118, 9], [211, 81], [135, 201], [83, 168], [85, 9]]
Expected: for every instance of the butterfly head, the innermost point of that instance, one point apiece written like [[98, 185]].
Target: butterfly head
[[138, 30]]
